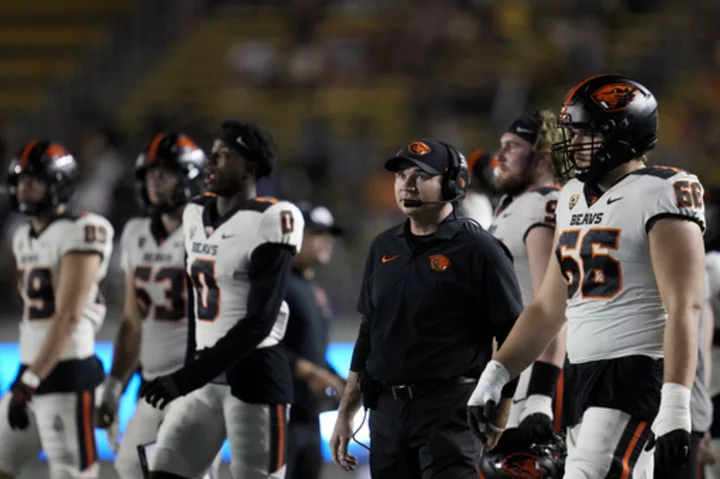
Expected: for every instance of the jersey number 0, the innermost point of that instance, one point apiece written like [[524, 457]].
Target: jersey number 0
[[207, 299]]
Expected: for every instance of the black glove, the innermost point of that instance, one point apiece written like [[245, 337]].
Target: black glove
[[480, 417], [537, 428], [18, 415], [161, 391], [672, 452]]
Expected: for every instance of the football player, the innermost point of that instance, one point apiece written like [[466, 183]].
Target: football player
[[628, 276], [239, 254], [525, 222], [168, 175], [61, 258]]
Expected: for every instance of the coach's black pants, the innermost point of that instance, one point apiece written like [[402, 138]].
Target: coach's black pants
[[304, 459], [423, 438]]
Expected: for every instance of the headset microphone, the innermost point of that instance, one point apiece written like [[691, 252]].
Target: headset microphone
[[418, 203]]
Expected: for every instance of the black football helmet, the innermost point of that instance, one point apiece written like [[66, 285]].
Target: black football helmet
[[512, 459], [621, 110], [178, 153], [48, 161]]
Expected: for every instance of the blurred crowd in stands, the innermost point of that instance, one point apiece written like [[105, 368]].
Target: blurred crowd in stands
[[465, 69]]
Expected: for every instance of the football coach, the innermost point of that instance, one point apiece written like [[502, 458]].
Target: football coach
[[436, 290]]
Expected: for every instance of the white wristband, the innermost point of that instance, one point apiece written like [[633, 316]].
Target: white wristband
[[30, 379], [490, 384], [674, 410], [537, 403]]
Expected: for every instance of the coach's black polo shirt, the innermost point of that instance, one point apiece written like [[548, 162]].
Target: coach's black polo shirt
[[431, 305]]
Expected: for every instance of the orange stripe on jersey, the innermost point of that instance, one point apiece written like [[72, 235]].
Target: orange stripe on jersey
[[88, 427], [152, 151], [281, 435], [266, 199], [559, 395], [24, 156], [628, 452]]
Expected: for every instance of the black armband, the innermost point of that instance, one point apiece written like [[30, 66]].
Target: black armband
[[543, 379], [509, 390]]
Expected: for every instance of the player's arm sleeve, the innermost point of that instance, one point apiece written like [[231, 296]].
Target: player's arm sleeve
[[543, 213], [365, 307], [269, 275], [88, 234], [191, 345], [296, 326], [499, 292], [125, 245], [680, 196]]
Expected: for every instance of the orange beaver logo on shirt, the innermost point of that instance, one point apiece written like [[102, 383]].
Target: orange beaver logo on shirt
[[614, 97], [440, 262]]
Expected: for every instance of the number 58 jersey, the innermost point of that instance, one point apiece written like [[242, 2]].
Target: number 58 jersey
[[38, 256], [219, 250], [614, 308]]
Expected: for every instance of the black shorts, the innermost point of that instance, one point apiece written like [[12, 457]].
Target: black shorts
[[631, 384]]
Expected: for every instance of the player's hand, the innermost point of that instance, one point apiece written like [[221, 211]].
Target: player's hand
[[340, 440], [671, 431], [111, 393], [160, 391], [484, 415], [319, 380], [21, 394], [706, 454], [536, 420]]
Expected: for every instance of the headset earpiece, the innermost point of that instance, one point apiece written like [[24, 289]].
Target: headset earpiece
[[455, 178]]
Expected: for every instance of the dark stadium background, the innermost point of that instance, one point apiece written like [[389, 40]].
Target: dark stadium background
[[341, 83]]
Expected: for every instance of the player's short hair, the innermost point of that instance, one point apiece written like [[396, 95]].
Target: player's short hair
[[257, 144], [548, 133]]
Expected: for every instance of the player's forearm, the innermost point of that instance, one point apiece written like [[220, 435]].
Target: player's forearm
[[56, 341], [555, 352], [681, 345], [352, 397], [529, 337], [126, 350]]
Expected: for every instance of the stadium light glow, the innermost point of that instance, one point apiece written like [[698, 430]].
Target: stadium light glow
[[338, 355]]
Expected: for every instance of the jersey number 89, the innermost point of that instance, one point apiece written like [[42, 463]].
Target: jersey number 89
[[600, 276]]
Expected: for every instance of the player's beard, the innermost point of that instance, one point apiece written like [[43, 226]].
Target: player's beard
[[515, 185]]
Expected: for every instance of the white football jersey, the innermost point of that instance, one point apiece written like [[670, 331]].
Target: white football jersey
[[614, 308], [38, 258], [514, 219], [218, 261], [157, 263]]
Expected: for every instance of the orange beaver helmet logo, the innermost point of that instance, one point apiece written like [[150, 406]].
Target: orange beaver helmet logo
[[614, 97], [521, 466], [440, 262], [418, 148]]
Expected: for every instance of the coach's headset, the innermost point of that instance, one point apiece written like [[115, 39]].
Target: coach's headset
[[455, 180], [456, 176]]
